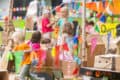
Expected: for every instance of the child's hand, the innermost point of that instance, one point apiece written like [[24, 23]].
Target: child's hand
[[34, 62]]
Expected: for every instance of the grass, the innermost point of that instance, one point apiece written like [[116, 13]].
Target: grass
[[17, 23]]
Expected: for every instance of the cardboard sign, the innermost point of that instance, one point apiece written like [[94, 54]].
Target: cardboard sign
[[109, 27]]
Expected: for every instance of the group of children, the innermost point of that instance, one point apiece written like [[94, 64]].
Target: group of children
[[31, 49]]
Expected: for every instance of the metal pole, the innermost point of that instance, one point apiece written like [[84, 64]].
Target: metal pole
[[83, 31], [10, 9]]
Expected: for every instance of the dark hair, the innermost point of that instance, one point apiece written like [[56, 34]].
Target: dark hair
[[68, 29], [91, 23], [45, 41], [36, 37]]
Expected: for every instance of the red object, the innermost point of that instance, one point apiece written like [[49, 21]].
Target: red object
[[58, 9], [57, 62], [75, 46], [41, 54], [98, 15], [65, 47], [45, 22], [75, 71]]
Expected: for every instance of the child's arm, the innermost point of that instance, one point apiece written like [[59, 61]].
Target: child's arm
[[52, 23], [33, 55]]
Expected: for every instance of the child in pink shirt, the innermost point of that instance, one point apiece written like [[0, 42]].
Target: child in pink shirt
[[46, 24]]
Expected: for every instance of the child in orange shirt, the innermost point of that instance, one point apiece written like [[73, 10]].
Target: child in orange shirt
[[29, 54]]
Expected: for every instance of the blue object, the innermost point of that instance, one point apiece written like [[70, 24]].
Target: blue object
[[75, 40], [103, 18], [77, 60], [73, 4]]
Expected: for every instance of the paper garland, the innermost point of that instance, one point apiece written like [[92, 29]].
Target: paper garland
[[19, 9], [17, 17]]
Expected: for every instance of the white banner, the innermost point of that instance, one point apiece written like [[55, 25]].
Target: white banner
[[67, 1], [4, 8]]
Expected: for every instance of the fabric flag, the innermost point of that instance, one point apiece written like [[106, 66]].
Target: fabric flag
[[65, 47], [58, 8], [53, 52], [103, 2], [75, 51], [97, 28], [73, 4], [75, 71], [78, 6], [98, 15], [77, 60], [57, 62], [93, 44], [75, 39], [108, 10], [108, 38], [111, 2], [103, 18], [41, 54], [97, 4]]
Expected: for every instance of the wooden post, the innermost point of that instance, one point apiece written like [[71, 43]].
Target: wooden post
[[83, 31], [10, 9], [4, 61]]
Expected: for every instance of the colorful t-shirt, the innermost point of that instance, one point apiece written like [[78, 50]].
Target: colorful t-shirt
[[26, 56], [45, 22], [34, 46]]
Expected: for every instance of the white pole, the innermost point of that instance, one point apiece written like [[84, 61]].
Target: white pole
[[10, 9], [83, 31]]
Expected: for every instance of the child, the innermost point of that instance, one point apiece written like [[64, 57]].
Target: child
[[46, 24], [64, 18], [67, 37], [16, 38], [32, 45], [90, 29]]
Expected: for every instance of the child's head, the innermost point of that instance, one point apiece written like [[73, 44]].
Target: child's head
[[91, 23], [36, 37], [18, 37], [46, 13], [45, 43], [64, 12], [68, 28]]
